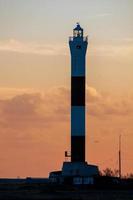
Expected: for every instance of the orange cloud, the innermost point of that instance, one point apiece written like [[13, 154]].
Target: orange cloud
[[31, 112], [35, 128], [14, 45], [54, 105]]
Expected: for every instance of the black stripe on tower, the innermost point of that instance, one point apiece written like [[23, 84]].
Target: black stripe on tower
[[78, 91], [78, 149]]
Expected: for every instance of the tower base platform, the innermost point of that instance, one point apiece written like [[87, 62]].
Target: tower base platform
[[77, 173]]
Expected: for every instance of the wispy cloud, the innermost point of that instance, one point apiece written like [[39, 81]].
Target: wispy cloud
[[118, 50], [8, 93], [100, 15], [103, 14], [108, 49], [14, 45]]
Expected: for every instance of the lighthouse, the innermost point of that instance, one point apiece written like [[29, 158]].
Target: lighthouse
[[77, 169], [78, 46]]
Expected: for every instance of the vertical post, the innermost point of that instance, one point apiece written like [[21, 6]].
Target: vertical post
[[119, 156]]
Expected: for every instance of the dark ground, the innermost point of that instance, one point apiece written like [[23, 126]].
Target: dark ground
[[86, 195], [42, 191]]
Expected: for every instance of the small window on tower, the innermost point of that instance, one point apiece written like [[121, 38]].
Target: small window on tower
[[78, 47], [80, 33]]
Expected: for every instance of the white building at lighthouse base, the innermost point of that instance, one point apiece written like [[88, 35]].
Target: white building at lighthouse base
[[76, 173]]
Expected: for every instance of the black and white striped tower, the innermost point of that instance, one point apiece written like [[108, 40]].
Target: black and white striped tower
[[78, 169], [78, 46]]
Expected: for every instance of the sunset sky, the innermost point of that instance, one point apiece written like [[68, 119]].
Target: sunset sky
[[35, 83]]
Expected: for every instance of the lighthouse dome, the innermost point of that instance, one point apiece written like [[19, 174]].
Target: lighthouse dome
[[78, 31]]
